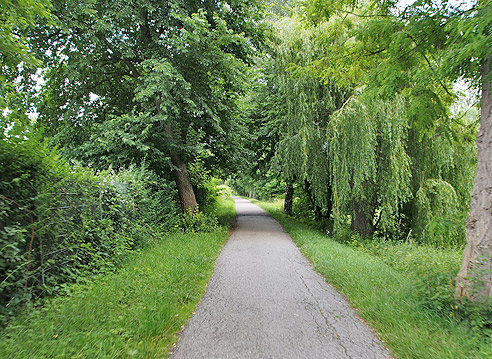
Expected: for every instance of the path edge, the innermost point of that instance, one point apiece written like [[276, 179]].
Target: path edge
[[232, 230]]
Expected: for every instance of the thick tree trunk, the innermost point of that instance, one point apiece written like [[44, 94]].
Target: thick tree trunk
[[289, 193], [186, 193], [475, 277], [362, 219], [182, 178]]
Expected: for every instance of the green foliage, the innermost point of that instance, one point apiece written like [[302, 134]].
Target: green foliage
[[478, 315], [302, 208], [136, 312], [432, 269], [18, 58], [403, 290], [26, 167], [148, 199], [83, 224], [439, 211], [16, 17], [442, 176], [206, 186], [300, 153], [363, 123], [270, 186], [158, 80], [212, 196], [368, 159], [264, 186], [194, 221]]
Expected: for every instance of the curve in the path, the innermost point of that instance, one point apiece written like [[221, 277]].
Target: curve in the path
[[264, 300]]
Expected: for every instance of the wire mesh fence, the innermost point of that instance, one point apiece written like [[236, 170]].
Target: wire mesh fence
[[50, 238]]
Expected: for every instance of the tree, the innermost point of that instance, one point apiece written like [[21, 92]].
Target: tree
[[337, 141], [477, 258], [158, 80], [419, 52], [15, 51], [300, 153]]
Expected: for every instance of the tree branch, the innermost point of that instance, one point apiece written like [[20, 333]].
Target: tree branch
[[128, 62], [430, 66]]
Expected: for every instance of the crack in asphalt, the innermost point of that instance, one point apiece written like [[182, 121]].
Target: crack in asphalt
[[340, 342]]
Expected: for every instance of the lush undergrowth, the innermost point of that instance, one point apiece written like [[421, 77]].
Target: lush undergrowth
[[135, 313], [387, 283]]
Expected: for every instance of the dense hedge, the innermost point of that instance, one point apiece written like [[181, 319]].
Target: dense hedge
[[59, 225]]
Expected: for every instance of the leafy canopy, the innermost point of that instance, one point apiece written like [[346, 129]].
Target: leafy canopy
[[123, 73]]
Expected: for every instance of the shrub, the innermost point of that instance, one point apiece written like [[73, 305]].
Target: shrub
[[26, 166], [83, 224], [196, 221], [151, 200]]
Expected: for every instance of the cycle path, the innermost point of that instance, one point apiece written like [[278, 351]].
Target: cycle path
[[265, 300]]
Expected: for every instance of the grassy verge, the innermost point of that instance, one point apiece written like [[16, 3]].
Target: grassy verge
[[385, 296], [226, 211], [135, 313]]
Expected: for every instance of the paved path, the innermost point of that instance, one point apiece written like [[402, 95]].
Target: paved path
[[264, 300]]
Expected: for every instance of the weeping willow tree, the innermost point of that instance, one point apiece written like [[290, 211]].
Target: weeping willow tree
[[350, 154], [442, 177], [301, 151], [385, 176], [369, 167], [355, 146]]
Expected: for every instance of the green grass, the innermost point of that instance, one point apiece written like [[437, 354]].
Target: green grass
[[226, 211], [135, 313], [384, 295]]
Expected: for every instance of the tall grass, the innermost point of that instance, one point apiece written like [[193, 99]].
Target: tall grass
[[385, 295], [135, 313]]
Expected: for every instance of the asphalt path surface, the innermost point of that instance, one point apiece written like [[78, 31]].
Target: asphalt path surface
[[264, 300]]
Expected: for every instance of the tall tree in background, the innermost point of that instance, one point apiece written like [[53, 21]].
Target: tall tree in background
[[134, 80]]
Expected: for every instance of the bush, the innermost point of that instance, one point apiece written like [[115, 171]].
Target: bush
[[26, 166], [151, 200], [196, 221], [83, 224], [302, 208], [208, 194]]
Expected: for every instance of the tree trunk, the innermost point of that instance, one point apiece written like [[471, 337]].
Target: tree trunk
[[316, 209], [186, 193], [362, 219], [475, 277], [182, 178], [289, 192]]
